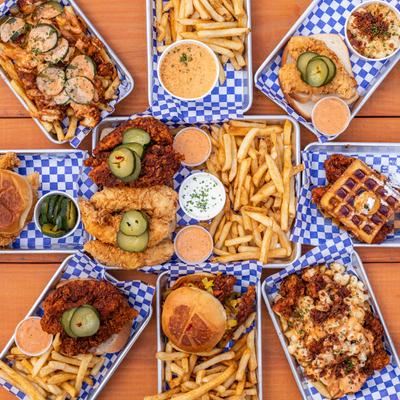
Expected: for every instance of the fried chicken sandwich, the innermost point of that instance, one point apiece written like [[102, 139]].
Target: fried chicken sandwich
[[202, 311], [18, 195], [91, 316]]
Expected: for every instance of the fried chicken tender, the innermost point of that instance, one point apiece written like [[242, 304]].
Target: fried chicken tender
[[157, 201], [113, 256], [104, 226]]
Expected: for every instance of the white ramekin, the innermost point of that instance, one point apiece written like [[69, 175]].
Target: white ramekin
[[348, 115], [209, 145], [21, 348], [188, 41], [205, 257], [362, 5]]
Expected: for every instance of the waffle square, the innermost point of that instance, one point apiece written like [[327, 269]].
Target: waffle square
[[363, 201]]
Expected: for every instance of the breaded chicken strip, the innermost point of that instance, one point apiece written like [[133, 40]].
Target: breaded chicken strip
[[104, 226], [156, 201], [115, 257]]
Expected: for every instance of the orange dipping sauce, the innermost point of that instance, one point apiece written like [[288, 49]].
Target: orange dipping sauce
[[331, 116], [30, 338], [194, 144], [193, 244]]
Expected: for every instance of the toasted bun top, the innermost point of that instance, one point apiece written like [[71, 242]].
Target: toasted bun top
[[16, 200], [193, 319]]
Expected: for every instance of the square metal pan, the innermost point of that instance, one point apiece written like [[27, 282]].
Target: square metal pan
[[301, 380], [110, 52], [355, 148], [49, 287], [247, 90], [161, 287], [361, 101], [110, 123], [39, 251]]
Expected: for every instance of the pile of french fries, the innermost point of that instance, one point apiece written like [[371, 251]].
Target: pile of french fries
[[8, 56], [215, 375], [52, 375], [221, 24], [254, 162]]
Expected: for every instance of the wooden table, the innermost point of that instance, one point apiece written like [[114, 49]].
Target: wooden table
[[122, 23]]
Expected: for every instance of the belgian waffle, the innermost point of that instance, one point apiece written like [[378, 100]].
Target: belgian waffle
[[362, 201]]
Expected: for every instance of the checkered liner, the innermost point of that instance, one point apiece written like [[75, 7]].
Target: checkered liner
[[140, 297], [311, 227], [124, 89], [58, 171], [247, 273], [225, 102], [327, 16], [384, 384]]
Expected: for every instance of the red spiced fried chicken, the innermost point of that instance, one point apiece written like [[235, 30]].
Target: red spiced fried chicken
[[113, 308], [159, 164]]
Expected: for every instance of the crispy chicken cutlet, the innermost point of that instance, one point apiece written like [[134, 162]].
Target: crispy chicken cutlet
[[113, 309], [159, 162], [133, 227]]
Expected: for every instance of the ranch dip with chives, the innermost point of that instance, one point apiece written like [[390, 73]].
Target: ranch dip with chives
[[202, 196]]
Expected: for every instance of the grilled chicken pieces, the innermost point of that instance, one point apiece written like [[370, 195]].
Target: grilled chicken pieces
[[102, 216]]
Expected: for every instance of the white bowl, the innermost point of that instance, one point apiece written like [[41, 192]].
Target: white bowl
[[209, 145], [205, 257], [348, 116], [188, 41], [36, 213], [190, 181], [21, 348], [362, 5]]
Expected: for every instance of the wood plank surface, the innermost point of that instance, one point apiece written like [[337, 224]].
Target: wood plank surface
[[123, 24]]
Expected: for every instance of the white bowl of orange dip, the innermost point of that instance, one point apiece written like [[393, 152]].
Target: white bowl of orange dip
[[188, 70], [30, 338], [194, 144], [331, 116], [193, 244]]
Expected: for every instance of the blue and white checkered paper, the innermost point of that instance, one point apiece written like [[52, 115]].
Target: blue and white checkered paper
[[311, 226], [124, 88], [139, 295], [327, 16], [247, 274], [226, 101], [384, 384], [58, 171]]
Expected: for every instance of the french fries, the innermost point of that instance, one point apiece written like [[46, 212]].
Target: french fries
[[227, 375], [51, 375], [221, 24], [15, 57], [254, 161]]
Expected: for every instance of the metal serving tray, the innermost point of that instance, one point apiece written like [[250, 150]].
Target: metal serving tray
[[322, 17], [109, 124], [49, 287], [246, 89], [110, 52], [301, 380], [64, 250], [161, 287], [359, 148]]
